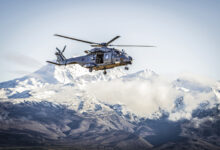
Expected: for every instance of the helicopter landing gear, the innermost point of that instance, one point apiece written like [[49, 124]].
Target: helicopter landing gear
[[104, 72], [126, 68], [90, 69]]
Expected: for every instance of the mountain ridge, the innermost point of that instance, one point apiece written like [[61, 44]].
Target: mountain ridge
[[69, 104]]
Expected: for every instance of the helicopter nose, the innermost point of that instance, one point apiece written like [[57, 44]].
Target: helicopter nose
[[130, 59]]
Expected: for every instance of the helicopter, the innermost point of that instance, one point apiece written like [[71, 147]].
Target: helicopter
[[100, 57]]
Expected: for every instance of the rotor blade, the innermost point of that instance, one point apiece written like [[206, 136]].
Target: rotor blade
[[133, 45], [75, 39], [58, 49], [64, 48], [112, 40], [96, 45]]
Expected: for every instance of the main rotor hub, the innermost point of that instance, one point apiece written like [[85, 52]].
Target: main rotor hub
[[103, 44]]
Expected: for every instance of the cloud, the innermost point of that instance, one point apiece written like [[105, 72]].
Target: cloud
[[23, 60], [146, 97], [198, 79], [143, 97]]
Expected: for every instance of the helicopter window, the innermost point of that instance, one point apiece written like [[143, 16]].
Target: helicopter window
[[117, 53], [106, 56]]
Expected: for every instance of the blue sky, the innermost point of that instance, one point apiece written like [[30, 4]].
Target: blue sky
[[185, 32]]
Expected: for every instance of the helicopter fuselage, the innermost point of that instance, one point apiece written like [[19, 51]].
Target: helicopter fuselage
[[100, 59]]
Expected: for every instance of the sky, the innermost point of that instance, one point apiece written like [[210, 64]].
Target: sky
[[185, 33]]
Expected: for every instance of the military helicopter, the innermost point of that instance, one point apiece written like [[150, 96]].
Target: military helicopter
[[101, 57]]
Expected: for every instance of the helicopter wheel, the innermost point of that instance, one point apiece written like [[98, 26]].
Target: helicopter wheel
[[90, 69], [104, 72], [126, 68]]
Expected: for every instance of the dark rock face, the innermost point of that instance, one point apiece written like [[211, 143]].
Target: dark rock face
[[44, 125], [164, 131], [202, 132]]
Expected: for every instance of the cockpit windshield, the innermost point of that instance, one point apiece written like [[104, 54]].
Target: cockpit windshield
[[118, 52]]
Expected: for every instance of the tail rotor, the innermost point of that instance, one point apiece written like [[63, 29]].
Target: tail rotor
[[64, 48], [59, 51], [59, 54], [61, 59]]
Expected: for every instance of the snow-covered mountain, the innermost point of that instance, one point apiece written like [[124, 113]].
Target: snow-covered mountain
[[70, 106]]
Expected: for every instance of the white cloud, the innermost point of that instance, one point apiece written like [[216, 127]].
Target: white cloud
[[145, 97], [23, 60]]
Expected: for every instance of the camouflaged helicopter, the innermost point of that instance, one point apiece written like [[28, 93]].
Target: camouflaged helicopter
[[101, 57]]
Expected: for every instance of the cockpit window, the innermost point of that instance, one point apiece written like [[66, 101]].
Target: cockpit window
[[118, 52]]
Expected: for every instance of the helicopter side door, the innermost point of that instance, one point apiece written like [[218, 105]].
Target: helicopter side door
[[108, 57], [99, 58]]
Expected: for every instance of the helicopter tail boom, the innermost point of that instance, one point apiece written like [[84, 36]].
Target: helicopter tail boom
[[54, 63]]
